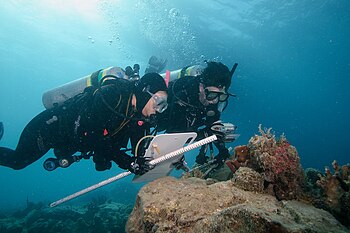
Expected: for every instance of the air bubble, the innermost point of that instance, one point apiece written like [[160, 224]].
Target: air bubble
[[174, 12]]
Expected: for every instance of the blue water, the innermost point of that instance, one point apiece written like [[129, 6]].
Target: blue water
[[293, 73]]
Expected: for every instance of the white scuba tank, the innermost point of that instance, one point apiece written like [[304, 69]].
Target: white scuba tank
[[58, 95]]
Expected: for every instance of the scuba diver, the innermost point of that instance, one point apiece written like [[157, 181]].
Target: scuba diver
[[98, 122], [196, 100]]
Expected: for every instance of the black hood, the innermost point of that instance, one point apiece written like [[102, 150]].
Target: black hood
[[151, 82], [216, 74]]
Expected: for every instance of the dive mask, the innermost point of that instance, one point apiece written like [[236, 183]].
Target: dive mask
[[160, 102], [212, 95]]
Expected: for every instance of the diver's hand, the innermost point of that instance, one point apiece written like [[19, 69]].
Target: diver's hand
[[220, 158], [202, 159], [141, 165]]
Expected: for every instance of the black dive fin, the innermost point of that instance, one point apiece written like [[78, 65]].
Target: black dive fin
[[1, 130]]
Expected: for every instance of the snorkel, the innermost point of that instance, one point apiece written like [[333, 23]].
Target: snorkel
[[222, 105], [234, 67]]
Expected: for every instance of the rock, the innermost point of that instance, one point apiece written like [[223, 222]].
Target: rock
[[190, 205], [248, 179], [221, 174]]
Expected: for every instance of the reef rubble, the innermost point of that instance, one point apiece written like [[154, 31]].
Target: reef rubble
[[98, 215]]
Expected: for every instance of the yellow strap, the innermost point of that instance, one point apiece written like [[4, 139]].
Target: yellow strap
[[125, 121], [88, 82]]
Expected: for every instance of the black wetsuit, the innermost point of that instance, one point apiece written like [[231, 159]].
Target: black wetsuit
[[187, 114], [100, 121]]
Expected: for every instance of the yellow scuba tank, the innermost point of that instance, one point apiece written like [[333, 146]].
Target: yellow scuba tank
[[194, 70], [57, 96]]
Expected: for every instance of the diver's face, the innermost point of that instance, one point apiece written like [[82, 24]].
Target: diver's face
[[158, 103], [205, 96]]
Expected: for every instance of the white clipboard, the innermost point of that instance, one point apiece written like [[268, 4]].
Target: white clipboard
[[161, 145]]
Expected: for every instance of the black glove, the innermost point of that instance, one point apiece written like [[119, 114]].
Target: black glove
[[140, 165], [202, 159], [102, 163], [220, 158], [181, 164], [219, 161]]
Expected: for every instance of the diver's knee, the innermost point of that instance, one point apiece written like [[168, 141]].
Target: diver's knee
[[19, 166]]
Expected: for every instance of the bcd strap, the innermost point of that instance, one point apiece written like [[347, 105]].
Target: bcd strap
[[183, 72]]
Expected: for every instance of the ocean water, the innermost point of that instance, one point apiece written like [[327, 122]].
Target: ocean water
[[293, 73]]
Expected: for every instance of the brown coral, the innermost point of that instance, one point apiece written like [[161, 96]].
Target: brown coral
[[241, 154]]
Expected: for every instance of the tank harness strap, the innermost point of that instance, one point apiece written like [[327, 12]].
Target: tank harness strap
[[127, 117], [183, 72]]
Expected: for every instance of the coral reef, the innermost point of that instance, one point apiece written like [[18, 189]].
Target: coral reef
[[191, 205], [276, 160], [271, 165], [241, 158], [97, 216], [331, 191], [335, 185]]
